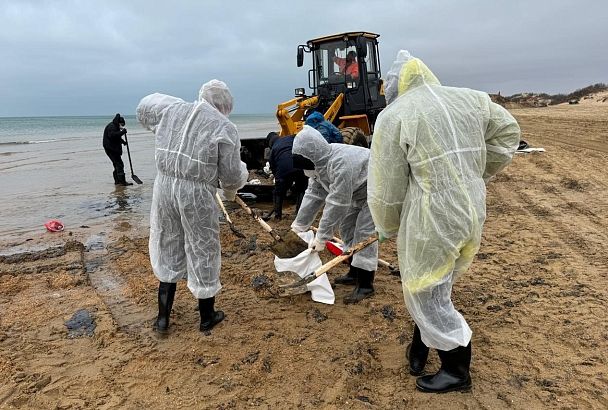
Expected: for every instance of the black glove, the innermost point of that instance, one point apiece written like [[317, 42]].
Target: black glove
[[124, 131], [123, 142]]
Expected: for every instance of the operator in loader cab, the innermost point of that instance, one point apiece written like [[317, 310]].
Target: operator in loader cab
[[348, 65]]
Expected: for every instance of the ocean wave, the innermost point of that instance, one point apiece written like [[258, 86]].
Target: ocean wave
[[11, 143], [29, 142]]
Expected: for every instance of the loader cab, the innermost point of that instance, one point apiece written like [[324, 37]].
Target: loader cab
[[346, 63]]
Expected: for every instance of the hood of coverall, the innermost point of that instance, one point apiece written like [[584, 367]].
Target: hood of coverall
[[407, 73], [150, 108], [217, 93], [310, 144]]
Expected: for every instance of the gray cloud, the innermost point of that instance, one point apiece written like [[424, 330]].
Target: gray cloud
[[99, 57]]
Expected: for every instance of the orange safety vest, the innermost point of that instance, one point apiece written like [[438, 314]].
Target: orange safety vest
[[352, 69]]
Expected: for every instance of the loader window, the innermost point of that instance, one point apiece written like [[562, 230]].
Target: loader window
[[371, 58], [322, 65], [373, 73], [331, 63]]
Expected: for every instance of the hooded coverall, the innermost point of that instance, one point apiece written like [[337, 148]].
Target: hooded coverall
[[339, 181], [196, 147], [433, 150]]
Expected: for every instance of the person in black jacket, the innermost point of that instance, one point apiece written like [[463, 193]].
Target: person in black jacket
[[285, 175], [112, 144]]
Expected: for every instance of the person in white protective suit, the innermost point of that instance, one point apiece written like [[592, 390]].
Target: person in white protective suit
[[337, 179], [196, 146], [434, 148]]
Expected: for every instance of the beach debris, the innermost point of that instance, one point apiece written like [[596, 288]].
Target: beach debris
[[388, 312], [261, 282], [317, 315], [523, 145], [54, 225], [80, 324]]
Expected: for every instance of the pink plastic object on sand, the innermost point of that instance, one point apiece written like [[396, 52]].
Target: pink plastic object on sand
[[54, 226]]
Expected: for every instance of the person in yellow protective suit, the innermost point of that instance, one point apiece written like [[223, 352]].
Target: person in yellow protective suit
[[434, 148]]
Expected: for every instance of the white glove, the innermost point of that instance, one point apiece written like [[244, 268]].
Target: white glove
[[317, 245], [229, 195], [299, 228]]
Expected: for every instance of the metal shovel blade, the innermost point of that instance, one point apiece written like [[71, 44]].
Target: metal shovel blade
[[236, 231], [302, 282], [136, 179]]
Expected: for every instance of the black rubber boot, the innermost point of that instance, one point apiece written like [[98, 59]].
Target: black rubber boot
[[116, 181], [417, 353], [350, 279], [209, 316], [122, 180], [365, 287], [453, 374], [166, 295]]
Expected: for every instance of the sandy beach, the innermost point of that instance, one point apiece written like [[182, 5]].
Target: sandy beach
[[535, 298]]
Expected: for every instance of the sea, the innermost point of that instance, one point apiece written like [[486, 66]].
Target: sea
[[56, 168]]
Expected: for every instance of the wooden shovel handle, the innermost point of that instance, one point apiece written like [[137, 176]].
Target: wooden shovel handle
[[339, 259], [221, 204], [255, 216], [381, 262]]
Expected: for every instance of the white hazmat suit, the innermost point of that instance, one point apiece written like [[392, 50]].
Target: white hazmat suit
[[433, 150], [196, 146], [339, 182]]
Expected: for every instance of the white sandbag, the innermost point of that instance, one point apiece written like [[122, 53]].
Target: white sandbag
[[304, 263]]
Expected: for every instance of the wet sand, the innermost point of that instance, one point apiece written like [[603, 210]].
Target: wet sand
[[535, 298]]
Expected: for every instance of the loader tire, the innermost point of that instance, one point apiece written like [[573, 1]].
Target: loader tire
[[354, 136]]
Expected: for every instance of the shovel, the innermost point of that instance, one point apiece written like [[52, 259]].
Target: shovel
[[289, 246], [133, 176], [227, 217], [323, 269], [338, 251]]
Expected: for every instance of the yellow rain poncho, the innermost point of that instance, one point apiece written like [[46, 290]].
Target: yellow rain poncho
[[433, 150]]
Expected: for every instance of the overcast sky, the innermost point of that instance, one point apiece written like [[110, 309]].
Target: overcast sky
[[100, 57]]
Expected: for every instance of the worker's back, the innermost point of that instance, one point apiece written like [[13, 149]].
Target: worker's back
[[442, 133], [188, 140]]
